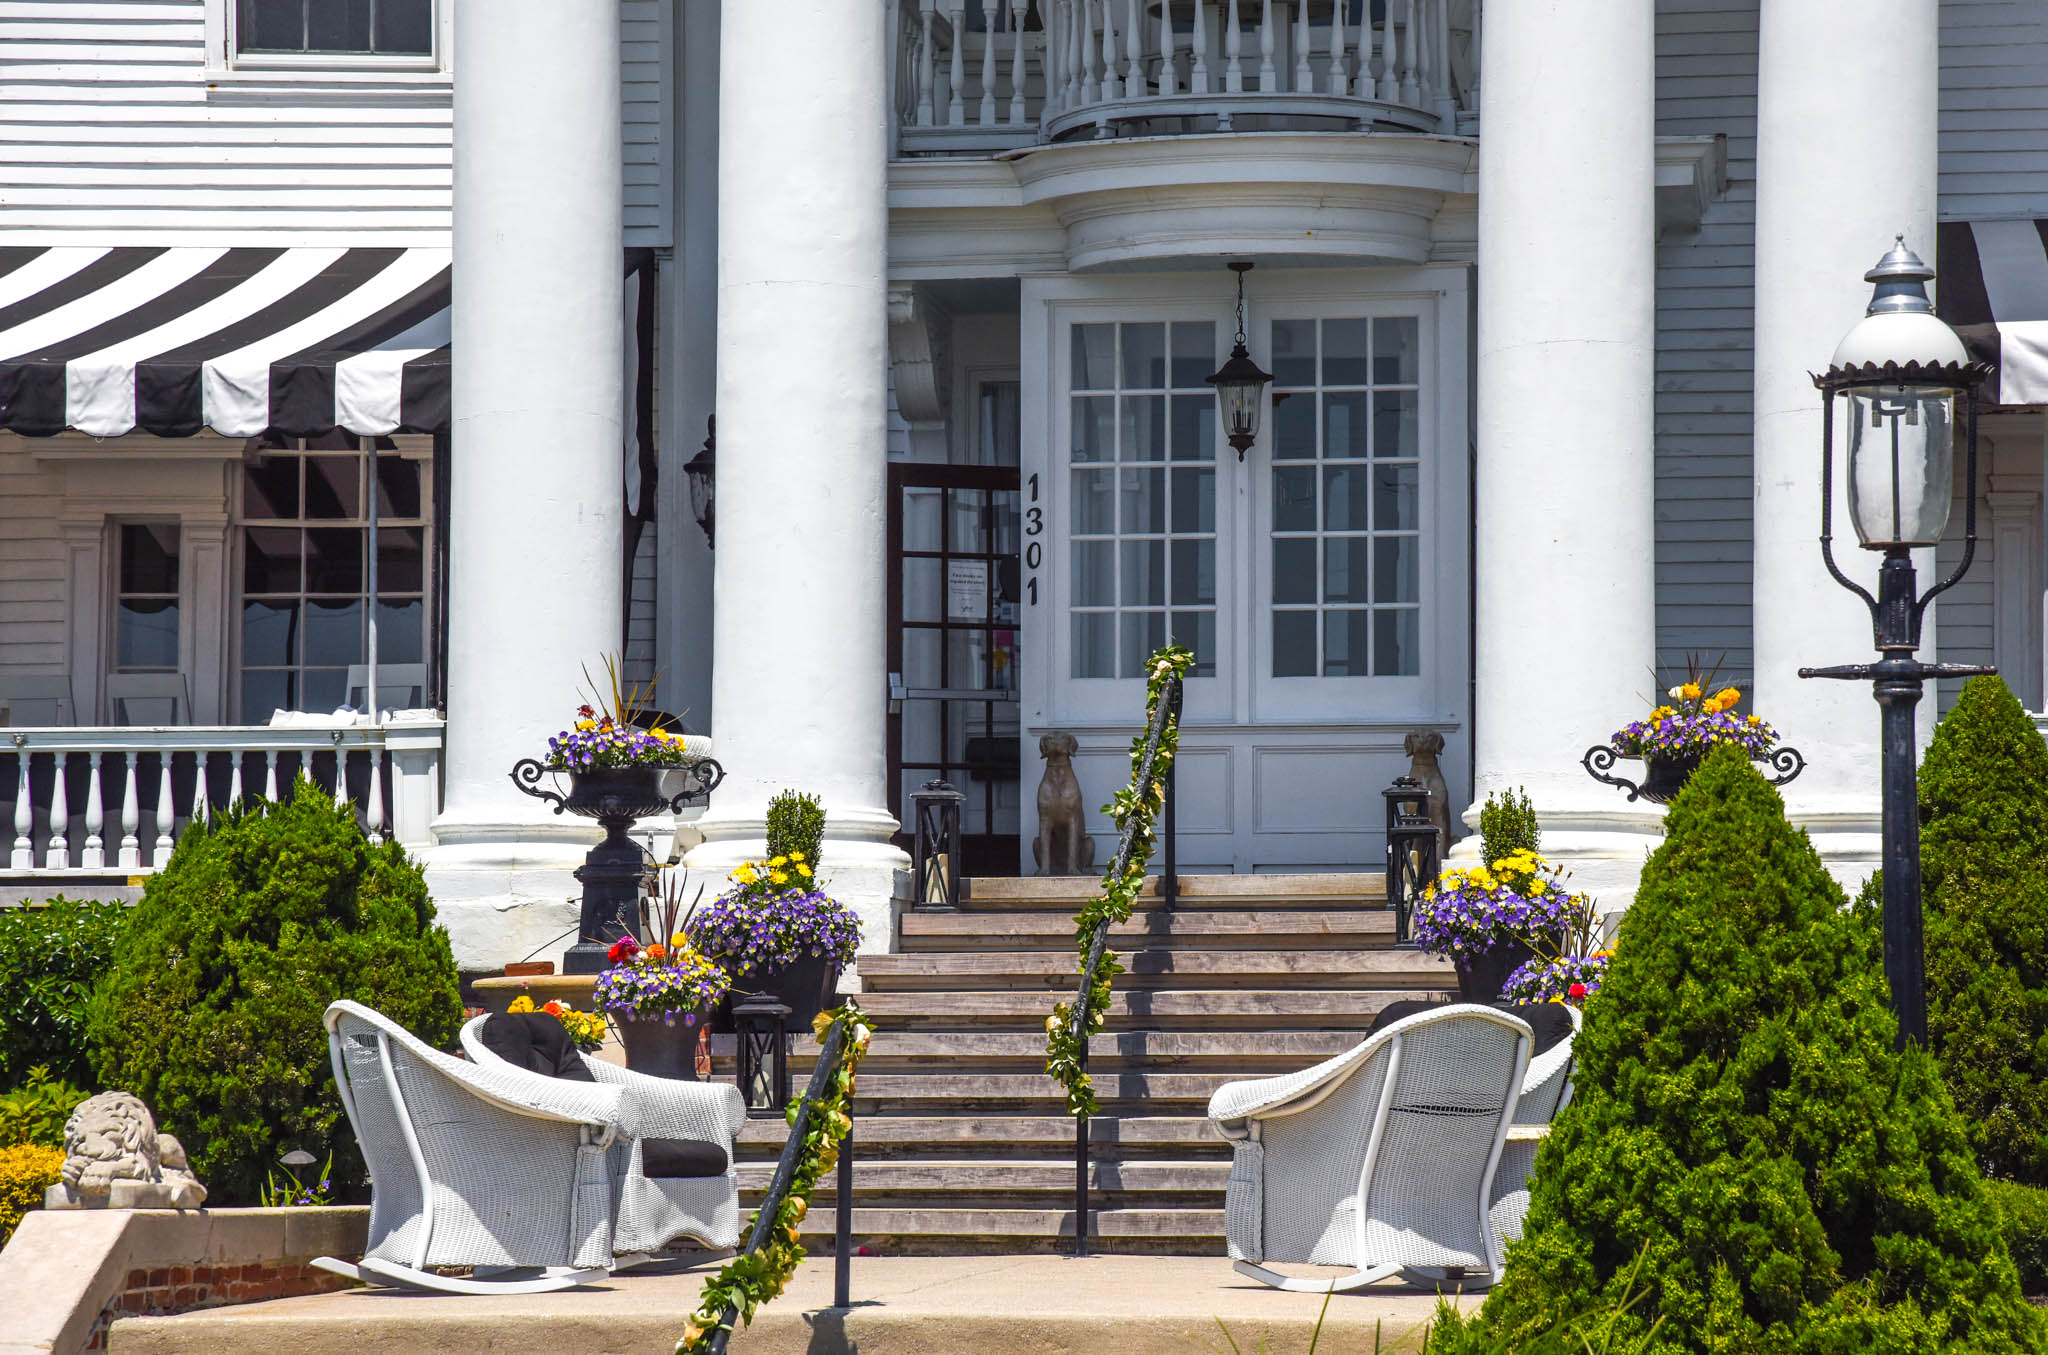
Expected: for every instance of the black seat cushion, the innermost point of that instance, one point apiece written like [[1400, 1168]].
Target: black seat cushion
[[1547, 1021], [536, 1042], [682, 1157]]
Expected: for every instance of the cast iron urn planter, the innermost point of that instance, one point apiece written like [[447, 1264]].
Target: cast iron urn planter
[[615, 870], [1665, 774]]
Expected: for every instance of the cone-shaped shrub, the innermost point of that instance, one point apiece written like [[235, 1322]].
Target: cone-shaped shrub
[[1743, 1125], [212, 1013], [1984, 873]]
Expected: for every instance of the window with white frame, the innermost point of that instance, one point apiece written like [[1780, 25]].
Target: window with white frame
[[402, 33], [1346, 498], [146, 598], [1142, 447]]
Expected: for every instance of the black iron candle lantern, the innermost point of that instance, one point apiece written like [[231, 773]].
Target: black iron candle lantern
[[1414, 850], [935, 858], [1901, 372], [702, 472], [763, 1063], [1240, 382]]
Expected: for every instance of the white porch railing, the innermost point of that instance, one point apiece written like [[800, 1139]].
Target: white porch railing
[[110, 801], [981, 75]]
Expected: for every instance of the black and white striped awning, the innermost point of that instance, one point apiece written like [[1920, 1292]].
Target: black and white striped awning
[[1993, 288], [170, 340]]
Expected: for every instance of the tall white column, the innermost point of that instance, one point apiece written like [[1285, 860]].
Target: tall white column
[[536, 513], [1566, 631], [1845, 160], [798, 684]]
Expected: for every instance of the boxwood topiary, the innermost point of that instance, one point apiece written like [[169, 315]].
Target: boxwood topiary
[[1984, 847], [212, 1014], [1743, 1125]]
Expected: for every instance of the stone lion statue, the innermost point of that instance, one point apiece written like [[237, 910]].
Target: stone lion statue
[[115, 1158]]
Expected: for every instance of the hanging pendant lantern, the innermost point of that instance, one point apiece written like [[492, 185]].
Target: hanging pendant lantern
[[1240, 382]]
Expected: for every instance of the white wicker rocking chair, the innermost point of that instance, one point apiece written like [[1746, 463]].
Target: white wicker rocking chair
[[1382, 1159], [498, 1169]]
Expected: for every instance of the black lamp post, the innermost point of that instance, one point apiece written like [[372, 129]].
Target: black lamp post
[[1239, 382], [701, 470], [1901, 370]]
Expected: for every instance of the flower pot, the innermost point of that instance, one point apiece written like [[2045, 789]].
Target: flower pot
[[806, 986], [617, 792], [1665, 774], [659, 1049], [1481, 976]]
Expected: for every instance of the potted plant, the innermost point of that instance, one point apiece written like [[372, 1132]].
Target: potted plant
[[662, 991], [1494, 918], [775, 930], [586, 1029], [1673, 738], [612, 762]]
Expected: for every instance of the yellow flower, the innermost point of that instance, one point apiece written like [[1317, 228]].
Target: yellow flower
[[1661, 712], [779, 861], [679, 941], [522, 1003], [821, 1023], [804, 871], [780, 877], [690, 1334], [1690, 691], [796, 856], [1754, 719], [1052, 1025], [798, 1208], [586, 724], [745, 875], [1728, 697]]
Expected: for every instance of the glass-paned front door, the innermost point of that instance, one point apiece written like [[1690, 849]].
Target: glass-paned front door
[[953, 618]]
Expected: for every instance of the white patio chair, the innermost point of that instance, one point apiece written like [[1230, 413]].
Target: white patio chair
[[148, 699], [36, 699], [1546, 1091], [493, 1168], [1381, 1159], [655, 1210]]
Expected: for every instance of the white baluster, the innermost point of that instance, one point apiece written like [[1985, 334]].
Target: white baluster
[[1134, 54], [1109, 63], [235, 780], [1304, 44], [373, 813], [926, 66], [130, 857], [1338, 78], [58, 854], [1411, 93], [1018, 9], [1440, 43], [956, 105], [1091, 53], [341, 771], [1267, 74], [93, 855], [988, 62], [24, 857], [270, 774], [166, 813], [1233, 52], [1169, 42], [1073, 13], [1478, 23], [1198, 73], [1390, 84], [202, 794]]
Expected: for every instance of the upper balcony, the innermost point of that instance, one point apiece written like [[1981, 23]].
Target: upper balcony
[[975, 77]]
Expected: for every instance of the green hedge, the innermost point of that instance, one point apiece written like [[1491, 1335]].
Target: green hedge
[[213, 1012], [50, 958], [1746, 1155], [2023, 1218]]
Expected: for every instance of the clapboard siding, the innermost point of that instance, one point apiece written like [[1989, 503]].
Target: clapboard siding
[[1706, 86], [111, 132], [32, 579], [1994, 112]]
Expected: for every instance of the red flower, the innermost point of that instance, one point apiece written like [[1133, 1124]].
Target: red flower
[[1576, 992], [622, 949], [585, 712]]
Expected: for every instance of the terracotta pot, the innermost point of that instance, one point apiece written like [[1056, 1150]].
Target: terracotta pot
[[659, 1049], [1665, 774]]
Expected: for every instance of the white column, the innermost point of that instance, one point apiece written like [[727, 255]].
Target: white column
[[798, 684], [1845, 160], [1566, 368], [536, 506]]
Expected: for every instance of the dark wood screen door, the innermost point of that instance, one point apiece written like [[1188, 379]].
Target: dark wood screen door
[[953, 615]]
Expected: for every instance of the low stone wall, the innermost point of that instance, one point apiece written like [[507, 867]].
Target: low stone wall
[[67, 1273]]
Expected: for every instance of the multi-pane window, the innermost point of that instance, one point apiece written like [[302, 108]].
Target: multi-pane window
[[1346, 506], [1142, 453], [393, 28], [146, 598], [305, 574]]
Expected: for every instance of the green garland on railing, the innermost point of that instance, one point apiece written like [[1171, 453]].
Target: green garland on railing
[[748, 1281], [1134, 810]]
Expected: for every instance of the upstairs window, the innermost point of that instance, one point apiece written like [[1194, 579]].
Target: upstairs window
[[349, 32]]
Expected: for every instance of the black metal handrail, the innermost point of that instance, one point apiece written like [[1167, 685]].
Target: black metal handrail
[[785, 1173], [1167, 712]]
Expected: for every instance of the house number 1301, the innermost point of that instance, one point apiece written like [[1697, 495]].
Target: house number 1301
[[1034, 551]]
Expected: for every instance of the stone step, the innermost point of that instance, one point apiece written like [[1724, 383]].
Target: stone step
[[1019, 1226], [1268, 929], [1159, 968], [917, 1052], [1353, 889], [999, 1134], [882, 1093], [983, 1178], [1236, 1009]]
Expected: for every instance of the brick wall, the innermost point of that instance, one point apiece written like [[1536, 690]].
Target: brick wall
[[179, 1289]]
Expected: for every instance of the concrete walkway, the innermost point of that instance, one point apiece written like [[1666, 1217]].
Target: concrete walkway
[[1023, 1305]]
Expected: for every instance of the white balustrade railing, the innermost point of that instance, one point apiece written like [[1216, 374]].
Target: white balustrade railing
[[990, 74], [113, 801]]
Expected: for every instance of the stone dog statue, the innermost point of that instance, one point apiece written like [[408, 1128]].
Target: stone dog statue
[[114, 1158], [1422, 747], [1062, 846]]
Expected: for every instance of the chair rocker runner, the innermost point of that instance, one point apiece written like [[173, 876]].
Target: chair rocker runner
[[1382, 1159]]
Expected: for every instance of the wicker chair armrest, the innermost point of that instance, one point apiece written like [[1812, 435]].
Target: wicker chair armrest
[[664, 1108], [526, 1092], [1255, 1097]]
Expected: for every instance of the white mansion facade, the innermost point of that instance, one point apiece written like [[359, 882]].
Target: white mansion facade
[[369, 344]]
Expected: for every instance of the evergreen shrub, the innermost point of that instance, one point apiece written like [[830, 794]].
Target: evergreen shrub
[[51, 955], [2023, 1218], [35, 1111], [1984, 881], [1746, 1153], [213, 1012], [796, 823], [1507, 824], [26, 1171]]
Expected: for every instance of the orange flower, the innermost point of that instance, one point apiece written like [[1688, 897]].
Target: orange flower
[[657, 952], [553, 1009]]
